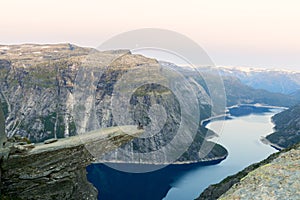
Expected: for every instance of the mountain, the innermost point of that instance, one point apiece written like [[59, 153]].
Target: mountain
[[236, 90], [239, 93], [276, 177], [296, 95], [272, 80], [287, 129], [60, 90]]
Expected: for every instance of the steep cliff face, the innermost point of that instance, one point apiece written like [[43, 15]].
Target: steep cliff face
[[56, 170], [36, 82], [276, 177], [37, 86], [62, 90]]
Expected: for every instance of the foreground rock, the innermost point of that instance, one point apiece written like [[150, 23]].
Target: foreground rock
[[57, 170], [276, 177]]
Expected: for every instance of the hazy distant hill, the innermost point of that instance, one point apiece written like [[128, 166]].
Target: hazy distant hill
[[278, 81], [238, 92]]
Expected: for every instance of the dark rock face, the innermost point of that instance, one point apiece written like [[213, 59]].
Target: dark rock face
[[287, 129], [56, 170], [3, 138], [58, 174]]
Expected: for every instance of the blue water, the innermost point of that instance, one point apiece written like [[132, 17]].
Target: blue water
[[241, 137]]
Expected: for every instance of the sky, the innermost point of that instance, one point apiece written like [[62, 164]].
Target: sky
[[256, 33]]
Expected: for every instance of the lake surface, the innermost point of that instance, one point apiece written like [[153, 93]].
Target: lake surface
[[240, 135]]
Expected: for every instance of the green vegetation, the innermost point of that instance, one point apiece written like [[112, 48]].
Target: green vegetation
[[287, 127], [4, 108], [5, 197], [49, 122], [2, 127], [72, 128], [151, 88]]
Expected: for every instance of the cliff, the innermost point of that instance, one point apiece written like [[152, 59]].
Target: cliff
[[56, 170], [276, 177], [57, 91]]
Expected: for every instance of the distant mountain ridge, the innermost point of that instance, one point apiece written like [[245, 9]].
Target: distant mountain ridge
[[238, 92], [272, 80]]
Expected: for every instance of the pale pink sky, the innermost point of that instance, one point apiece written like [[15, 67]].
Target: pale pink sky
[[233, 32]]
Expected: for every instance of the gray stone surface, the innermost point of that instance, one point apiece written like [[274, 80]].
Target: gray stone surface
[[57, 170], [277, 180]]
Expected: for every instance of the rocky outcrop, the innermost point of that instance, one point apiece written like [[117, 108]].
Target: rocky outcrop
[[57, 170], [276, 177], [57, 174]]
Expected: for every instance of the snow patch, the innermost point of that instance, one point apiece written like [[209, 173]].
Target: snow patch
[[4, 48], [254, 69]]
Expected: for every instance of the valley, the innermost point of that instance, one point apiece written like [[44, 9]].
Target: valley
[[63, 91]]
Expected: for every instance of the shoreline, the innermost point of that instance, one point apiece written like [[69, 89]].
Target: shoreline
[[227, 114], [264, 140], [256, 105], [207, 161]]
